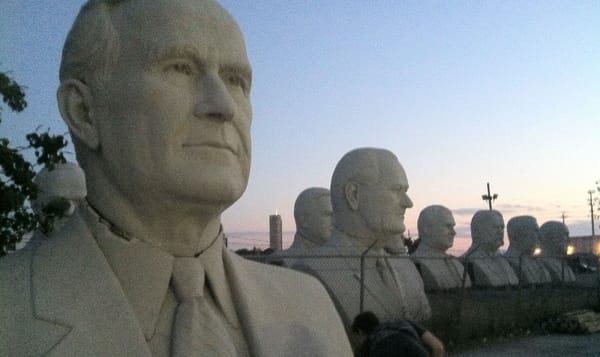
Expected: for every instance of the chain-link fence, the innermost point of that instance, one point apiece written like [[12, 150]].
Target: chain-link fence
[[474, 297]]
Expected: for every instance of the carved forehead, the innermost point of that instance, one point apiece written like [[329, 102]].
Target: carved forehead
[[310, 198], [435, 214], [486, 218], [163, 22]]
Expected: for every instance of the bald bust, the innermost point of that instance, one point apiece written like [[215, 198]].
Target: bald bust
[[62, 185], [523, 235], [156, 95], [369, 197], [554, 240], [440, 271], [314, 223], [488, 267]]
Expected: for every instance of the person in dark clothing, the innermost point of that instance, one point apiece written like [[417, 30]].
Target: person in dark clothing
[[394, 338]]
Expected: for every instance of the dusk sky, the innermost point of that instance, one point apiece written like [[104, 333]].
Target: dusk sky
[[463, 92]]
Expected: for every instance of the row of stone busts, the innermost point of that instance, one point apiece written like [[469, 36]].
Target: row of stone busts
[[442, 271], [368, 188], [364, 207], [529, 267]]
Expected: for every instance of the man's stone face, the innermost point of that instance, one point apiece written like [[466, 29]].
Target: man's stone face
[[319, 220], [383, 204], [493, 232], [175, 115], [442, 230]]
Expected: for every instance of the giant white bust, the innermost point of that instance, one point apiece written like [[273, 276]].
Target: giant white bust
[[156, 94], [523, 236], [369, 197], [440, 271], [314, 222], [488, 267], [554, 240], [64, 185]]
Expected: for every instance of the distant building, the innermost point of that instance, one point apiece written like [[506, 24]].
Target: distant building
[[275, 234], [586, 244]]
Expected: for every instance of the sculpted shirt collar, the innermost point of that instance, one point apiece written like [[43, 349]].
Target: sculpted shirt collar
[[144, 271]]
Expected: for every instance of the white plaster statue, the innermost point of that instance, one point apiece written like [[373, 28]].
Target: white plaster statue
[[369, 198], [489, 268], [440, 271], [554, 240], [523, 236], [64, 183], [156, 94], [314, 222]]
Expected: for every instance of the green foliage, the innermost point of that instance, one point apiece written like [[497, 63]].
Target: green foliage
[[12, 94], [17, 188]]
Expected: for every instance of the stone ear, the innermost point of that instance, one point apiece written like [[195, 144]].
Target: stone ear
[[74, 103], [351, 194]]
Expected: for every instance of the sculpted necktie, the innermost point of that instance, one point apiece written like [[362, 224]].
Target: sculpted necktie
[[198, 330], [385, 273]]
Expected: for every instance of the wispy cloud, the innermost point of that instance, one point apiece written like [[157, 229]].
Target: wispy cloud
[[505, 209], [465, 211]]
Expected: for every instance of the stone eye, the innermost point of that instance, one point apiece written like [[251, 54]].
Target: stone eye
[[182, 68]]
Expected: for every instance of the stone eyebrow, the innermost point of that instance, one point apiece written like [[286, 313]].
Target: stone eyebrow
[[172, 52], [191, 52], [238, 68]]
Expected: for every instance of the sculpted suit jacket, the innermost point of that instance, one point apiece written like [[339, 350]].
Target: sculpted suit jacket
[[59, 297], [341, 277]]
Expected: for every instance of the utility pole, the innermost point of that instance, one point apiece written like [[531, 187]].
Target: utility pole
[[563, 217], [489, 197], [591, 201]]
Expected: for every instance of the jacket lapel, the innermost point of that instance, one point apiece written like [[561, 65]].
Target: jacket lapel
[[271, 328], [73, 286]]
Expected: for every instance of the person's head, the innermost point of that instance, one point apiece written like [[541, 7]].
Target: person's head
[[65, 182], [436, 227], [369, 194], [365, 323], [554, 238], [314, 215], [523, 233], [487, 230], [156, 94]]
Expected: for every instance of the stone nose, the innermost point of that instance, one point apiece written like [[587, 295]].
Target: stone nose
[[214, 100]]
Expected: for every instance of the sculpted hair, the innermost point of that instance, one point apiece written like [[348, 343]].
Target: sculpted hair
[[359, 165], [91, 49]]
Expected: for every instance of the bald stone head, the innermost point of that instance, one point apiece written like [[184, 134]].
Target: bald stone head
[[369, 195], [436, 228], [487, 230], [523, 234], [554, 238], [314, 215]]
